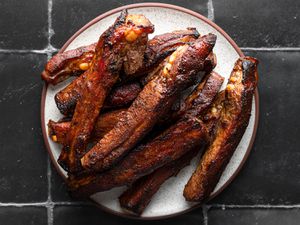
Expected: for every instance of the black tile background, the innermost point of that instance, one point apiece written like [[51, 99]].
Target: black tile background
[[76, 13], [267, 190], [24, 215], [23, 24], [77, 215], [260, 23], [253, 216], [22, 179]]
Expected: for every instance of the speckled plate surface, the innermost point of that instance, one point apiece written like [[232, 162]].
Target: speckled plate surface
[[169, 200]]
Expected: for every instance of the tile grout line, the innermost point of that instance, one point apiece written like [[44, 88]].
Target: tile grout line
[[49, 199], [33, 204], [26, 51], [259, 206], [276, 49], [44, 204], [207, 207], [49, 50], [204, 213], [210, 10], [49, 203]]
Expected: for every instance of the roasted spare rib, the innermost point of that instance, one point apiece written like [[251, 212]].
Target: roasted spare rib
[[138, 196], [69, 63], [153, 102], [157, 49], [105, 122], [119, 97], [110, 53], [74, 62], [229, 130], [184, 136], [203, 95]]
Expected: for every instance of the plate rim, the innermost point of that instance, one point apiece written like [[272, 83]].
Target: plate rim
[[155, 5]]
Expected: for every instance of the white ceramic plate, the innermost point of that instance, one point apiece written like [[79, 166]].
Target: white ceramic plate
[[168, 201]]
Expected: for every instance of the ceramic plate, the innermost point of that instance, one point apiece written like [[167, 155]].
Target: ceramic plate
[[168, 201]]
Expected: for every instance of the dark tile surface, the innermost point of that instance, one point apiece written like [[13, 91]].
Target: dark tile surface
[[254, 216], [23, 216], [70, 15], [271, 173], [59, 191], [259, 23], [23, 158], [76, 215], [24, 24]]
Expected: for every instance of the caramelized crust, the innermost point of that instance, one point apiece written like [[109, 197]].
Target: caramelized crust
[[153, 102], [139, 195], [184, 136], [136, 198], [202, 96], [120, 96], [69, 63], [209, 64], [163, 45], [229, 131], [175, 142], [100, 77], [136, 64], [105, 122]]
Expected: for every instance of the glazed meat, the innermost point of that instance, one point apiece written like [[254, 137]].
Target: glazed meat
[[139, 195], [229, 131], [209, 64], [105, 122], [202, 96], [111, 49], [122, 96], [153, 102], [157, 49], [119, 97], [67, 98], [74, 62], [175, 142], [69, 63], [184, 136], [163, 45]]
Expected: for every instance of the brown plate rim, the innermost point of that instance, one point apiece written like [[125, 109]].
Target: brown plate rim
[[159, 5]]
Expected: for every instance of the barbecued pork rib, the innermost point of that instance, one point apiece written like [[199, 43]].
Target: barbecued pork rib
[[119, 97], [157, 49], [184, 136], [105, 122], [138, 196], [111, 49], [140, 193], [74, 62], [203, 94], [153, 102], [171, 145], [229, 131], [69, 63]]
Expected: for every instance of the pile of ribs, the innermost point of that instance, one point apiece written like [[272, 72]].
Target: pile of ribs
[[138, 110]]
